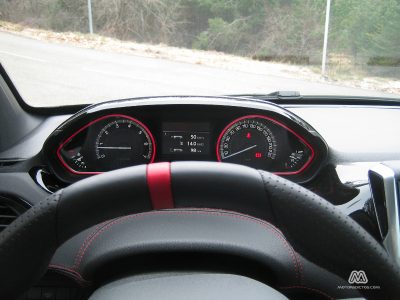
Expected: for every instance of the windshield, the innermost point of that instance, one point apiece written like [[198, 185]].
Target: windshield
[[61, 52]]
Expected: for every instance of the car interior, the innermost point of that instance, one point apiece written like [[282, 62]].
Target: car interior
[[276, 196]]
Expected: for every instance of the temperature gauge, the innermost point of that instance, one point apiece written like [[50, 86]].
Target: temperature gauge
[[295, 158], [79, 161], [73, 155]]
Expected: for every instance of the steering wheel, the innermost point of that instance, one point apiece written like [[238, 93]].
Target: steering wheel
[[254, 210]]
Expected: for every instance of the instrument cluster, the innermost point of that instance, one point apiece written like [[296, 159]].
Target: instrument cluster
[[101, 140]]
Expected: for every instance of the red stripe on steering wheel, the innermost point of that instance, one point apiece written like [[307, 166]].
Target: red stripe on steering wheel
[[159, 183]]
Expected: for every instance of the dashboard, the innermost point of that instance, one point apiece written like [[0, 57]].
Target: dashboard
[[126, 133], [284, 139]]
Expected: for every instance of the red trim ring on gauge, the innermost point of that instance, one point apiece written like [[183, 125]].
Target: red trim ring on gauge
[[305, 166], [91, 123]]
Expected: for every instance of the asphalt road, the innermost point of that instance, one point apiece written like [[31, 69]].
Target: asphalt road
[[49, 74]]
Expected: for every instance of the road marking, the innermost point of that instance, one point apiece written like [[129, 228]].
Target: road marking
[[23, 56], [115, 74], [110, 73]]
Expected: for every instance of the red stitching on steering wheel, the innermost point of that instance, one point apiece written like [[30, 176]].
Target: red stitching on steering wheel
[[270, 227], [89, 236]]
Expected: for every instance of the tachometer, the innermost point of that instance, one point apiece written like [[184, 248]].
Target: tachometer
[[107, 143], [248, 141], [123, 142]]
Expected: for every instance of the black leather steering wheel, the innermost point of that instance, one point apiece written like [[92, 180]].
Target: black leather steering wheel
[[313, 227]]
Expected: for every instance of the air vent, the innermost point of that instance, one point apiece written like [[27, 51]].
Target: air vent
[[46, 180], [8, 163], [7, 215], [10, 209]]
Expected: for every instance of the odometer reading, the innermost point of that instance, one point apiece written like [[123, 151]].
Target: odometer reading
[[248, 141]]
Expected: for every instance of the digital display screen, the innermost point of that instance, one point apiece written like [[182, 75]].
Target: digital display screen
[[186, 138]]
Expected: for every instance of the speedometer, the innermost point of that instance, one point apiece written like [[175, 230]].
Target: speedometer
[[264, 143], [248, 141]]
